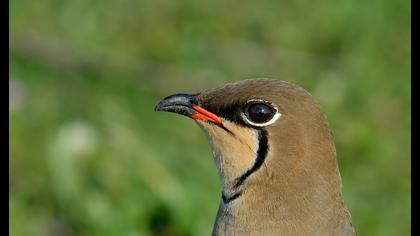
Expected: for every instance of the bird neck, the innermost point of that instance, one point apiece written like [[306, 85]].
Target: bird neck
[[306, 198]]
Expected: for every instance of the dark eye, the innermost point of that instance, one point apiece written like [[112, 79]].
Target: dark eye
[[259, 112]]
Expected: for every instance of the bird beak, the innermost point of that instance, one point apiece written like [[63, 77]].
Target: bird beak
[[186, 104]]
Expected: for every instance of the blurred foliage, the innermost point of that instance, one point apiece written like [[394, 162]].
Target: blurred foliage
[[89, 156]]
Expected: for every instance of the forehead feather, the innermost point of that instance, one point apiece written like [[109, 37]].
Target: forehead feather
[[240, 92]]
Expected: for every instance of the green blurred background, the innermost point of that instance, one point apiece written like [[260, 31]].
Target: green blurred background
[[89, 156]]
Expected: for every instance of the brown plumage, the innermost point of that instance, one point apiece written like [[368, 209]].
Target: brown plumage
[[275, 156]]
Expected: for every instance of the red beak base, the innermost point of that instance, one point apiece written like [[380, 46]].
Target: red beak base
[[203, 114]]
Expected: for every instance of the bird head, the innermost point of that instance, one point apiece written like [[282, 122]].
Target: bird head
[[263, 133], [275, 155]]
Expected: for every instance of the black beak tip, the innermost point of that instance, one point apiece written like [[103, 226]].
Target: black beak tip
[[158, 107], [177, 103]]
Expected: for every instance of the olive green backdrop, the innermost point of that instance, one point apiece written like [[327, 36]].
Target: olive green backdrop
[[89, 156]]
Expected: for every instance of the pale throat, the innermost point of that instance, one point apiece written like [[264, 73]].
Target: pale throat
[[234, 151]]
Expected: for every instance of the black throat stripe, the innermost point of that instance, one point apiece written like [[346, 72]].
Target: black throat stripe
[[261, 155], [226, 200]]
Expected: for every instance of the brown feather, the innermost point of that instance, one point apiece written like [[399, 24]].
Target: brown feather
[[297, 191]]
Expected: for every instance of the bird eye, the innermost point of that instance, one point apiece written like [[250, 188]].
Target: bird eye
[[260, 113]]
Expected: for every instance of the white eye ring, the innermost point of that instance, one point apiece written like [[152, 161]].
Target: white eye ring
[[271, 121]]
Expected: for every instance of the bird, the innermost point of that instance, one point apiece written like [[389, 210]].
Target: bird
[[275, 155]]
